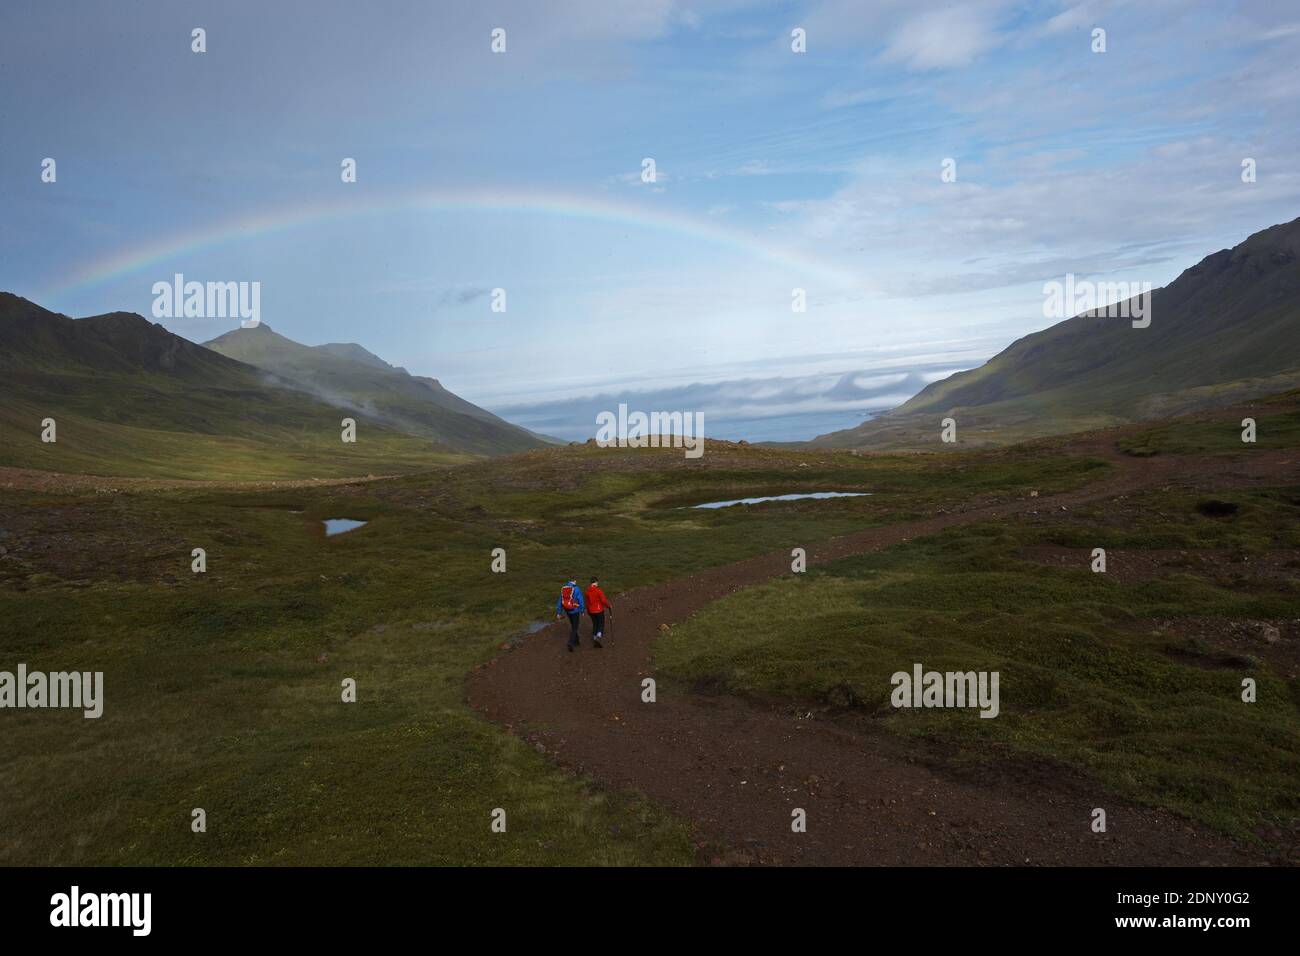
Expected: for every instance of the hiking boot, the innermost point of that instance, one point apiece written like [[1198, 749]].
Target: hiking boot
[[595, 642], [569, 648]]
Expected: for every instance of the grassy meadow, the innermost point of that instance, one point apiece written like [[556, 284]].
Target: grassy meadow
[[270, 446], [223, 688], [1132, 676]]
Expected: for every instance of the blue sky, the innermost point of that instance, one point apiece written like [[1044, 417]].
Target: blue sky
[[521, 170]]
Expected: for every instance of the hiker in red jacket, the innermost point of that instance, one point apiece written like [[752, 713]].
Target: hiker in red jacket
[[597, 605]]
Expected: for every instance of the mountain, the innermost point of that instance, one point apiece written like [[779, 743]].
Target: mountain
[[348, 376], [1225, 330], [129, 397], [350, 350]]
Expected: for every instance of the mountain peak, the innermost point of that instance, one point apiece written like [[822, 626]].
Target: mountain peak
[[1227, 329], [125, 354], [347, 375], [124, 342], [122, 321]]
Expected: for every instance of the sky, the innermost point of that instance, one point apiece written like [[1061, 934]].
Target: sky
[[522, 170]]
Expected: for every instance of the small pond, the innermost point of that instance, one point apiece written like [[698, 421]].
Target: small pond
[[754, 501], [335, 526]]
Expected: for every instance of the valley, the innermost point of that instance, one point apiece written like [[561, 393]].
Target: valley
[[222, 688]]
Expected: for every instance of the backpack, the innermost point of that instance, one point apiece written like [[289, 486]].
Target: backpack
[[568, 600]]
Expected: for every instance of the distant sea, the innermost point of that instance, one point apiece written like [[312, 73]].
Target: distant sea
[[785, 427], [800, 427]]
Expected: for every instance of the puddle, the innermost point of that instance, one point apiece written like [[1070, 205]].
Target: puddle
[[517, 639], [754, 501], [335, 526]]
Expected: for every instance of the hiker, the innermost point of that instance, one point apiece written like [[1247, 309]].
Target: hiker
[[571, 602], [597, 605]]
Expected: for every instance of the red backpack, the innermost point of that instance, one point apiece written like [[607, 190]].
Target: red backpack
[[567, 599]]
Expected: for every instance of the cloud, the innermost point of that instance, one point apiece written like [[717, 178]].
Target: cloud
[[435, 290], [793, 407], [1079, 16], [1131, 215], [921, 35], [451, 298], [1069, 161], [943, 39]]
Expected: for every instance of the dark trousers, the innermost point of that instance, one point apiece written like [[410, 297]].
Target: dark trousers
[[598, 624], [575, 618]]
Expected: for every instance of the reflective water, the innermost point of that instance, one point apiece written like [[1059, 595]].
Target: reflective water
[[754, 501], [335, 526]]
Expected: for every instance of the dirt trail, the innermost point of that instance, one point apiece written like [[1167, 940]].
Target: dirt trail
[[737, 771]]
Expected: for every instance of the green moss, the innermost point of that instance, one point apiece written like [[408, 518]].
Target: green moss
[[1274, 429], [1083, 679]]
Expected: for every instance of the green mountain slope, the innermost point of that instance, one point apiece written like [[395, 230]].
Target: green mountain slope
[[1225, 330], [350, 377], [130, 398]]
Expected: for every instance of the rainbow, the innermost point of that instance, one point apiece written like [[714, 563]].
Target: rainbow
[[156, 255]]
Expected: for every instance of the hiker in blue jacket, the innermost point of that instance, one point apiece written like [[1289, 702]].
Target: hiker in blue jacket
[[572, 603]]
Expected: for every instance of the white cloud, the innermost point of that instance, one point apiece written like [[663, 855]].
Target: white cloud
[[943, 39]]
